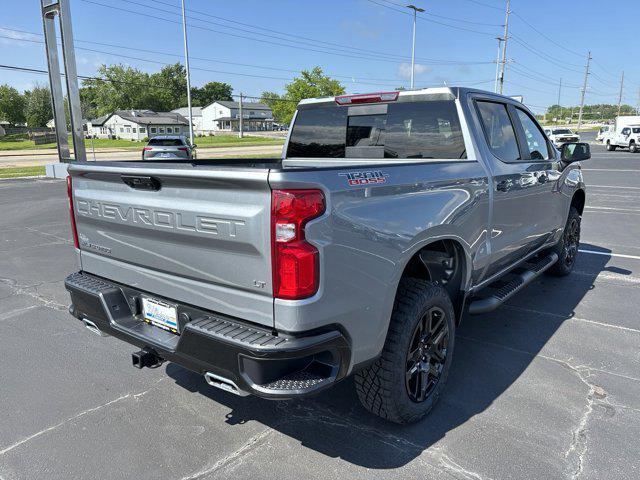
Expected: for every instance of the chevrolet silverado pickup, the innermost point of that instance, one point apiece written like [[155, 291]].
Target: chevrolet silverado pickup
[[388, 218]]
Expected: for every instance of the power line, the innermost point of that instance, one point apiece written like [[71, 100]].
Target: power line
[[379, 57], [470, 22], [211, 60], [543, 35], [543, 56], [430, 20], [484, 5], [310, 42], [157, 62], [40, 71]]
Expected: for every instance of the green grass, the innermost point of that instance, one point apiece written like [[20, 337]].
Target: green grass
[[13, 172], [233, 140], [20, 142]]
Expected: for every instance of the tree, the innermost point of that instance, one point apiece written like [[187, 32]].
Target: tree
[[127, 88], [211, 92], [601, 111], [12, 105], [38, 109], [119, 88], [309, 84], [171, 87]]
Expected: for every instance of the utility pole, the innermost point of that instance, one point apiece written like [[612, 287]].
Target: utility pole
[[559, 107], [186, 61], [504, 47], [240, 123], [413, 43], [620, 95], [495, 84], [584, 89]]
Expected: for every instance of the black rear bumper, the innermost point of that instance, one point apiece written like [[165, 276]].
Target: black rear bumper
[[253, 358]]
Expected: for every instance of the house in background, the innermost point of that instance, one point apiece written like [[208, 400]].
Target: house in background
[[138, 124], [224, 116], [196, 113]]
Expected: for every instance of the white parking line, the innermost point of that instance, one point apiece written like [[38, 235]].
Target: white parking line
[[609, 254], [609, 170], [633, 210], [613, 186]]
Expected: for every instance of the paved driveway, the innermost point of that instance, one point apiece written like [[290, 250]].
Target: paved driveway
[[547, 387]]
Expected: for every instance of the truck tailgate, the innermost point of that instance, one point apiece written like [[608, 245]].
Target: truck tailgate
[[197, 235]]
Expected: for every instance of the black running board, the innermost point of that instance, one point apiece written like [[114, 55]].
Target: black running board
[[505, 292]]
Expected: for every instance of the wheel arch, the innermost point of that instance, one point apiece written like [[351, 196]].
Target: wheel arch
[[445, 261], [578, 200]]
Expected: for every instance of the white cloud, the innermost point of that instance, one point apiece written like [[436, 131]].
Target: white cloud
[[404, 70]]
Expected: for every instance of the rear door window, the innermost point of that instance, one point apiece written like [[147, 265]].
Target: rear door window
[[428, 129], [424, 130], [498, 130]]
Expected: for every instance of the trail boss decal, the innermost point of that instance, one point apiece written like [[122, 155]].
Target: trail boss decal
[[374, 177]]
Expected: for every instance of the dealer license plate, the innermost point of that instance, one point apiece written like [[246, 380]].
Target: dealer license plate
[[161, 314]]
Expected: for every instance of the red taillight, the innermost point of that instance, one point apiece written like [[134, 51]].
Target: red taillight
[[146, 149], [183, 149], [294, 261], [367, 98], [74, 229]]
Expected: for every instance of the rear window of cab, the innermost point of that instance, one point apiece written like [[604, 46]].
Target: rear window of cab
[[402, 130]]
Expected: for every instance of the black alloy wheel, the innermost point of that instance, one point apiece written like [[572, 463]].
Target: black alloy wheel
[[571, 241], [427, 354]]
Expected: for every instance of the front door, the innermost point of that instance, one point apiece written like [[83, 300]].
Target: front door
[[623, 137], [523, 169]]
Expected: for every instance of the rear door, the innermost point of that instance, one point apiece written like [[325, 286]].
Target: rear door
[[519, 223], [196, 235]]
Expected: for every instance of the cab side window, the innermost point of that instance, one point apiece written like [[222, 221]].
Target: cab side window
[[498, 130], [536, 141]]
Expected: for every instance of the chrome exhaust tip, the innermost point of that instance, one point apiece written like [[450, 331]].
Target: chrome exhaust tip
[[93, 328], [223, 384]]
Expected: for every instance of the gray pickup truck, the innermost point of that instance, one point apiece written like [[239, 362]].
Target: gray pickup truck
[[389, 217]]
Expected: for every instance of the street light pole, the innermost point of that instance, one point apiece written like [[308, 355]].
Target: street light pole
[[186, 61], [413, 43]]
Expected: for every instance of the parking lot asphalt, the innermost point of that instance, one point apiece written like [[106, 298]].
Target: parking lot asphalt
[[546, 387]]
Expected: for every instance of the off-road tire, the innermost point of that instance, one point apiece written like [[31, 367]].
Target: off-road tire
[[567, 247], [382, 387], [610, 148], [633, 148]]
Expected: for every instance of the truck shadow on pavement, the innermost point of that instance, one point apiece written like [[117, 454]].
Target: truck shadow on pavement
[[492, 352]]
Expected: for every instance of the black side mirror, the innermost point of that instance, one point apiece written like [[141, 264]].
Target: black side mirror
[[575, 152]]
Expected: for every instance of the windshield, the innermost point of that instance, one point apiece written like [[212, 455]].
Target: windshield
[[428, 129], [562, 131]]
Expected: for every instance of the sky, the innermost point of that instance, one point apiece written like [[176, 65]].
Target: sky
[[258, 45]]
